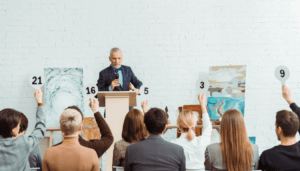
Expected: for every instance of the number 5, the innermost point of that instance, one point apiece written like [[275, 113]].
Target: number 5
[[146, 91]]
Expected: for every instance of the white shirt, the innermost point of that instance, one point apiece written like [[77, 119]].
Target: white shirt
[[194, 150]]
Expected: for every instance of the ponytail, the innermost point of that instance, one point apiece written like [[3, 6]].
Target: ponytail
[[187, 120], [191, 134]]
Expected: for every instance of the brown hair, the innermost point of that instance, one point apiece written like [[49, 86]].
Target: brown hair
[[24, 123], [288, 121], [9, 119], [187, 121], [236, 148], [133, 127]]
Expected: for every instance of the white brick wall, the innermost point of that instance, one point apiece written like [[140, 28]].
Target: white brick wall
[[168, 44]]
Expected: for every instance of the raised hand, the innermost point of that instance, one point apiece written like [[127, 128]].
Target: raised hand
[[38, 94], [286, 94], [94, 104], [202, 99], [145, 106]]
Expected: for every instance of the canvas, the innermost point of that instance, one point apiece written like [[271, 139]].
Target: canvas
[[63, 88], [252, 140], [227, 81], [90, 129], [217, 106]]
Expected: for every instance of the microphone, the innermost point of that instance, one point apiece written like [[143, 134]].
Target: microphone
[[117, 76]]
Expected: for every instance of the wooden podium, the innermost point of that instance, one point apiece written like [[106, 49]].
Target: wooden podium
[[116, 105]]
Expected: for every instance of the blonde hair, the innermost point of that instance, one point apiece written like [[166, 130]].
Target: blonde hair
[[187, 121], [70, 121]]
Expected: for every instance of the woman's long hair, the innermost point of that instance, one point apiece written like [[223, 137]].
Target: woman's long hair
[[134, 128], [186, 121], [236, 148]]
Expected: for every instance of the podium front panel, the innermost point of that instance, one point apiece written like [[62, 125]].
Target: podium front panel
[[116, 109]]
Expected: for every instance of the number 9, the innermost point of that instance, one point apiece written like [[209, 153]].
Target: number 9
[[282, 73]]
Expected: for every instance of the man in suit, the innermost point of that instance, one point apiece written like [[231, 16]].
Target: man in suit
[[117, 77], [155, 153]]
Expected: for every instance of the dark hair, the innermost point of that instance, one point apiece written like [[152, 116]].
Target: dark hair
[[75, 108], [24, 123], [9, 119], [155, 120], [288, 121], [134, 128]]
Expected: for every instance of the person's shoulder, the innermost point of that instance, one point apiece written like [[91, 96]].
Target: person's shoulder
[[126, 67], [121, 142], [105, 70], [173, 145], [271, 151], [213, 146]]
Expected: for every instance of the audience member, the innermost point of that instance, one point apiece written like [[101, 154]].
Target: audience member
[[14, 152], [154, 153], [235, 152], [70, 155], [134, 131], [35, 157], [101, 145], [194, 147], [287, 155]]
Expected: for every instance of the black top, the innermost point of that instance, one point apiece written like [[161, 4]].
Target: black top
[[281, 158]]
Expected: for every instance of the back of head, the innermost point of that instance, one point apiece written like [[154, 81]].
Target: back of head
[[70, 121], [288, 121], [186, 121], [9, 119], [76, 108], [24, 123], [236, 148], [155, 120], [134, 128]]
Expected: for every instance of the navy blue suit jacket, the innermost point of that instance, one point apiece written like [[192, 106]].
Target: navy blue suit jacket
[[107, 75]]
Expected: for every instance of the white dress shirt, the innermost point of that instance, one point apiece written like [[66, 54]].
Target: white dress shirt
[[194, 150]]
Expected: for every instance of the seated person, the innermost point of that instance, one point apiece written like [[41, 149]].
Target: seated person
[[194, 147], [100, 146], [70, 155], [35, 157], [134, 131], [235, 152], [154, 153], [287, 155], [14, 152]]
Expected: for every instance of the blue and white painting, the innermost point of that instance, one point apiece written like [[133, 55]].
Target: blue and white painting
[[63, 88], [252, 140], [217, 106]]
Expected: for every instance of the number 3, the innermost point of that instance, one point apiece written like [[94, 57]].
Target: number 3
[[202, 85]]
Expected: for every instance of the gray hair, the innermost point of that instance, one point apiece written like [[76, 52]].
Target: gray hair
[[70, 121], [115, 49]]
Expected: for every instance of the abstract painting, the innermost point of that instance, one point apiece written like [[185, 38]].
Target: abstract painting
[[227, 81], [252, 140], [217, 106], [90, 129], [63, 88]]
